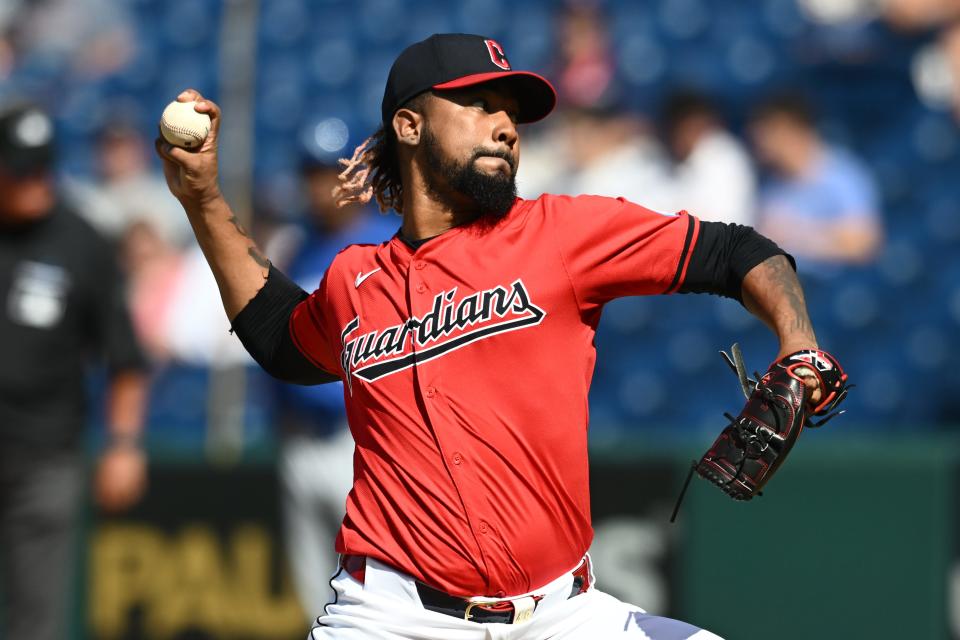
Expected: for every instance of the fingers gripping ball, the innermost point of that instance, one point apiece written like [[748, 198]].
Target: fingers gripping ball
[[183, 126]]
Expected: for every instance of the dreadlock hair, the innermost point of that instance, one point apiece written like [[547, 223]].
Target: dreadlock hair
[[374, 169]]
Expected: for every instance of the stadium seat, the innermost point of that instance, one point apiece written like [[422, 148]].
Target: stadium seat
[[330, 59]]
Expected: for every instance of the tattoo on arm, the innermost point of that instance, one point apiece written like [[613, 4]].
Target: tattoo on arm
[[236, 223], [258, 257], [251, 251], [784, 278]]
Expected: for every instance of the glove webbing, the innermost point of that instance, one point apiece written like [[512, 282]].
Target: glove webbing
[[750, 439], [753, 439]]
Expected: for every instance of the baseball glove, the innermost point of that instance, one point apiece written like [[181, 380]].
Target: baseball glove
[[755, 443]]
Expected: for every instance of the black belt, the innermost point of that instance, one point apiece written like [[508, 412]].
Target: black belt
[[457, 607]]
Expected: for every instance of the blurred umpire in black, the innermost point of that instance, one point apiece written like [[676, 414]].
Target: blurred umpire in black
[[62, 309]]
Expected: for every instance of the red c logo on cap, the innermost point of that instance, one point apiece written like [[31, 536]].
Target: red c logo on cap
[[497, 56]]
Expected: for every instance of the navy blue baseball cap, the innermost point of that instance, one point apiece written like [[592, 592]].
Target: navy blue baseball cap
[[455, 60], [26, 139]]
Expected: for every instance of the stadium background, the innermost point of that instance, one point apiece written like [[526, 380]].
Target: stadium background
[[856, 538]]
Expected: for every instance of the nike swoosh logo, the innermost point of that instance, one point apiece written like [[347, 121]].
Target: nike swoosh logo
[[361, 276]]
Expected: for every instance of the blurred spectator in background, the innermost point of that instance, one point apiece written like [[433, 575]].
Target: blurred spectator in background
[[195, 330], [174, 313], [62, 307], [547, 158], [713, 175], [173, 303], [598, 151], [920, 14], [598, 146], [154, 270], [8, 11], [316, 454], [611, 151], [936, 67], [585, 69], [612, 154], [90, 38], [129, 190], [567, 154], [820, 202]]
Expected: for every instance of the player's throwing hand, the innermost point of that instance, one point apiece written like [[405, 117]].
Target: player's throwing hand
[[239, 267], [192, 175]]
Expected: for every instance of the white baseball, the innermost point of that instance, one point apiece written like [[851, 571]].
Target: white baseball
[[183, 126]]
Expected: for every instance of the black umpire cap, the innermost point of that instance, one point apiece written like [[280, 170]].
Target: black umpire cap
[[455, 60], [26, 139]]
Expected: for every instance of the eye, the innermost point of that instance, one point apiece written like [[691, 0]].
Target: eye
[[480, 103]]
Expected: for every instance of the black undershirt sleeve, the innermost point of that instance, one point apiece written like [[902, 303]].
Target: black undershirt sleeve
[[263, 328], [722, 257]]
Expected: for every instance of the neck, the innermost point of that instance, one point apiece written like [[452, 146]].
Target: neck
[[425, 215]]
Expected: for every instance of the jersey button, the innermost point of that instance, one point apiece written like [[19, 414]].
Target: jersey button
[[457, 458], [419, 265], [483, 527], [431, 391], [421, 288]]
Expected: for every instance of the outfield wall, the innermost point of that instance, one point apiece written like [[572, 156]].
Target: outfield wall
[[853, 539]]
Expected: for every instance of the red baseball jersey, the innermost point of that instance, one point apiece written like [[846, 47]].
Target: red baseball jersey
[[466, 366]]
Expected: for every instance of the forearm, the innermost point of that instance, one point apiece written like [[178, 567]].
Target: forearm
[[126, 406], [121, 476], [238, 266], [772, 292]]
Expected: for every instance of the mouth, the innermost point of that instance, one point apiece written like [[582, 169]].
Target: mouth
[[495, 163]]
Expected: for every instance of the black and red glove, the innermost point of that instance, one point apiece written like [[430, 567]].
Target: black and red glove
[[755, 443]]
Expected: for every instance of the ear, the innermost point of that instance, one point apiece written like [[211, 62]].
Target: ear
[[407, 125]]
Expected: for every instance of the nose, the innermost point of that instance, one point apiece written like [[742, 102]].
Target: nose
[[505, 131]]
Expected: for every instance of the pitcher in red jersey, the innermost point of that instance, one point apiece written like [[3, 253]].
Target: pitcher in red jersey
[[466, 346]]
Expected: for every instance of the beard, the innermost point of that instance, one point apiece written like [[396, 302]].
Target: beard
[[490, 195]]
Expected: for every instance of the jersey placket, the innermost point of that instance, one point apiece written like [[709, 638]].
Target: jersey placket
[[423, 288]]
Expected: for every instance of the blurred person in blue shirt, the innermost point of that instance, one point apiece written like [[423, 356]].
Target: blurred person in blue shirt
[[316, 453], [712, 173], [819, 202]]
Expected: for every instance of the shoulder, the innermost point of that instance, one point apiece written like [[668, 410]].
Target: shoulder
[[589, 219], [552, 205], [355, 256], [591, 209]]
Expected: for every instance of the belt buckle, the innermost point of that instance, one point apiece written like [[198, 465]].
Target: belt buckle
[[523, 607], [478, 602]]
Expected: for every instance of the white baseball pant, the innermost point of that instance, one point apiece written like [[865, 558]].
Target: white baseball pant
[[387, 606]]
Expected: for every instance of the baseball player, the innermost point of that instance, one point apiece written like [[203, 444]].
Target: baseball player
[[465, 344]]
